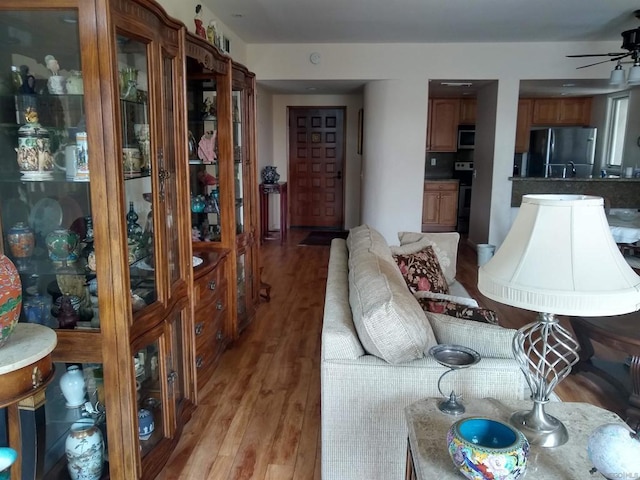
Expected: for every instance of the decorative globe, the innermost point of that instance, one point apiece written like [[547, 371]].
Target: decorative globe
[[614, 450], [10, 298], [482, 449]]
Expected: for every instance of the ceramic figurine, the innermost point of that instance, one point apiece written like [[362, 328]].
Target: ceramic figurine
[[211, 33], [207, 146], [57, 84], [200, 31], [67, 316]]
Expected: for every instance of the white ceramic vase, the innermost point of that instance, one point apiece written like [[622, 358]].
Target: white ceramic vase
[[84, 448], [72, 386]]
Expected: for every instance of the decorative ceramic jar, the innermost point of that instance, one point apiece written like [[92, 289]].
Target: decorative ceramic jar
[[8, 456], [270, 175], [37, 309], [146, 424], [21, 241], [62, 245], [34, 149], [75, 84], [198, 203], [10, 298], [72, 386], [482, 448], [614, 450], [84, 448]]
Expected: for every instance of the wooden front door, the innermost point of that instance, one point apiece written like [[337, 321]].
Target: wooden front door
[[316, 158]]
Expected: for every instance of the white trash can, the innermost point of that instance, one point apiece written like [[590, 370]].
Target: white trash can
[[485, 252]]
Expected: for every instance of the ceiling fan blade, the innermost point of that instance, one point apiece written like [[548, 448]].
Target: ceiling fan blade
[[597, 55], [604, 61]]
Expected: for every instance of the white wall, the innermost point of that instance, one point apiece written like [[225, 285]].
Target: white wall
[[280, 147], [395, 126]]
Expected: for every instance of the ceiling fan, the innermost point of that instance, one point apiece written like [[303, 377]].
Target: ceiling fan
[[631, 43]]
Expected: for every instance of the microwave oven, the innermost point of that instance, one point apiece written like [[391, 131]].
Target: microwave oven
[[466, 138]]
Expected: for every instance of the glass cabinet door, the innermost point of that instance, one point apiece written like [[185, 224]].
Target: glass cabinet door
[[238, 160], [206, 222], [45, 187]]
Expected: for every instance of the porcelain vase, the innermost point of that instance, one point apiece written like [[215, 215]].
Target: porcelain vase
[[270, 175], [72, 386], [10, 298], [21, 242], [62, 245], [84, 448]]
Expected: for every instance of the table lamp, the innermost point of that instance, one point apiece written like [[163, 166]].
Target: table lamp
[[559, 258]]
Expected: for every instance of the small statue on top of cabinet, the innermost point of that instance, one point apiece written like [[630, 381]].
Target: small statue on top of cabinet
[[200, 31]]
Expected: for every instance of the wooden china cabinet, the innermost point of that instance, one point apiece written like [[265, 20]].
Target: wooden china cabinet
[[103, 189]]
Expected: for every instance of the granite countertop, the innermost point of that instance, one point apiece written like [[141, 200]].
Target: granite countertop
[[428, 429], [574, 179]]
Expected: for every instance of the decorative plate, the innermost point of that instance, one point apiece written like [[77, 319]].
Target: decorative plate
[[45, 216]]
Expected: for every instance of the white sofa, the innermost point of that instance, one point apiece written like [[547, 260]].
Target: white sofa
[[364, 434]]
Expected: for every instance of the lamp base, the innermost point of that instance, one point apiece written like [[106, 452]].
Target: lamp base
[[540, 428]]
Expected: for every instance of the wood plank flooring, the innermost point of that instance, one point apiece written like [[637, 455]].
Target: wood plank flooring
[[259, 416]]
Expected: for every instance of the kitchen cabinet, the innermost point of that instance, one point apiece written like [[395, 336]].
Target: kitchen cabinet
[[101, 191], [440, 206], [468, 111], [246, 195], [562, 111], [523, 125], [442, 128]]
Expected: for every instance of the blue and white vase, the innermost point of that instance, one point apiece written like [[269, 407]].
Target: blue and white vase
[[269, 175], [84, 448], [146, 425]]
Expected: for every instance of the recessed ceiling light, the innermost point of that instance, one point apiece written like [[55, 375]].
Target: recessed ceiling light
[[237, 15], [311, 89]]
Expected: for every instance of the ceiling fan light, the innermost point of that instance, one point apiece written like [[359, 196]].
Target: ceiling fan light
[[617, 76], [634, 75]]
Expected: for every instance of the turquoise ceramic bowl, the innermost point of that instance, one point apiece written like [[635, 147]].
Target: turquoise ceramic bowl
[[485, 449], [7, 457]]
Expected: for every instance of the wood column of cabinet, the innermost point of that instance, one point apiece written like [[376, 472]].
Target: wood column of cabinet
[[442, 127], [440, 206], [122, 211], [562, 111]]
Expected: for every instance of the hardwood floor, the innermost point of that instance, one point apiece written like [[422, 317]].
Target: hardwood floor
[[259, 416]]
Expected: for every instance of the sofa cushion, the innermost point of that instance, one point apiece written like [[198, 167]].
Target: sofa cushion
[[388, 319], [445, 244], [421, 271], [366, 238], [486, 339]]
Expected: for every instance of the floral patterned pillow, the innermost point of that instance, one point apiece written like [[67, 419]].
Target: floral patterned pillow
[[457, 310], [421, 270]]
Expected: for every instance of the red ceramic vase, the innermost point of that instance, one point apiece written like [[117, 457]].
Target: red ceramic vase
[[10, 298]]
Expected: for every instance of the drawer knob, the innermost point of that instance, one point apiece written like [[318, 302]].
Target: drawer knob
[[199, 328], [212, 285], [219, 335], [199, 361], [219, 305]]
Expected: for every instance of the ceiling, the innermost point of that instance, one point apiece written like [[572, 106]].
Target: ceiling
[[428, 21]]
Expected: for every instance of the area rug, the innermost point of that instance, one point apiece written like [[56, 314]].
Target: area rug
[[322, 237]]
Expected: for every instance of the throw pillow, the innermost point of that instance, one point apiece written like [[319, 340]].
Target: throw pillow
[[445, 244], [457, 310], [421, 270]]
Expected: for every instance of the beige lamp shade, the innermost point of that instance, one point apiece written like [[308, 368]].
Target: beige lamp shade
[[560, 257]]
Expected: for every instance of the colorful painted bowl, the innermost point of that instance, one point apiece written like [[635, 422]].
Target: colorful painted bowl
[[7, 458], [482, 449], [10, 298]]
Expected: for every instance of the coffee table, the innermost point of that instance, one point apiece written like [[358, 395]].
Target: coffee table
[[428, 457]]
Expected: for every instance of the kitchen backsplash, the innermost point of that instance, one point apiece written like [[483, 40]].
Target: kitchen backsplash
[[444, 163]]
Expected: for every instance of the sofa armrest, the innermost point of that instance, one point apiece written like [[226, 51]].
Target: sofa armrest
[[488, 340]]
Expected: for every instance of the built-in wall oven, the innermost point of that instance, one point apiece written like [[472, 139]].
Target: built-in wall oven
[[463, 171]]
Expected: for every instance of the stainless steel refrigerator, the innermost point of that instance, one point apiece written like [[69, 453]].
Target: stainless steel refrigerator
[[562, 152]]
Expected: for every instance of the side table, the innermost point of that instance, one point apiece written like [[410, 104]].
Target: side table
[[26, 367], [267, 189], [428, 457]]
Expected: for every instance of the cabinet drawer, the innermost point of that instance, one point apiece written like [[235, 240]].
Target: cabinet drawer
[[209, 325], [440, 186], [207, 288]]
